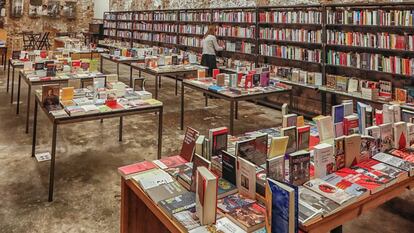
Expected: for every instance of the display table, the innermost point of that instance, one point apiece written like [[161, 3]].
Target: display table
[[56, 121], [140, 214], [228, 96], [3, 51], [176, 72], [13, 64], [117, 61]]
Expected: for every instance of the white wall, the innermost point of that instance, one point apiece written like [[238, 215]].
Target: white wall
[[99, 8]]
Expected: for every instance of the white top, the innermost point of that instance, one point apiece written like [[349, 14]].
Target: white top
[[210, 45]]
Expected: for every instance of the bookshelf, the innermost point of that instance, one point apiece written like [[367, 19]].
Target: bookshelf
[[369, 41]]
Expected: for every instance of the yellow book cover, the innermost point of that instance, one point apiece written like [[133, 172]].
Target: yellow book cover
[[278, 146], [201, 73], [300, 121], [67, 93], [153, 102]]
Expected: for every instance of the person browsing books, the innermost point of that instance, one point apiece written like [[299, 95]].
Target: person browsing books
[[210, 46]]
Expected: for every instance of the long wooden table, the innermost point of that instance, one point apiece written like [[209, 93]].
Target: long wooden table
[[139, 214], [56, 121]]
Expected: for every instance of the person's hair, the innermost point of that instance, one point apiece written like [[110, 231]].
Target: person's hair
[[211, 30]]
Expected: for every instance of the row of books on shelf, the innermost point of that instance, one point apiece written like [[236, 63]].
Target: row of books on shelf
[[369, 61], [125, 25], [124, 34], [289, 34], [378, 17], [190, 41], [165, 16], [291, 16], [193, 29], [195, 16], [110, 32], [236, 17], [382, 40], [291, 52], [142, 26], [164, 27], [143, 16], [125, 16], [165, 38], [109, 24], [110, 16], [239, 46], [298, 76], [142, 36], [99, 95], [236, 31]]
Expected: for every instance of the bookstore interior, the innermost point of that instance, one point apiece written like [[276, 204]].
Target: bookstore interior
[[262, 116]]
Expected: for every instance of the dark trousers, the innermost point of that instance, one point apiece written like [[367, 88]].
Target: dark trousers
[[210, 62]]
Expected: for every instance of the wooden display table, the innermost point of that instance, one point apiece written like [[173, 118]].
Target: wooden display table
[[139, 214]]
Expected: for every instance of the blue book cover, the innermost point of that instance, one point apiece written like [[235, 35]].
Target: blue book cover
[[281, 207], [215, 88], [338, 113], [361, 111]]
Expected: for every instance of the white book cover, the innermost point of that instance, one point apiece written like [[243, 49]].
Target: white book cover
[[324, 161], [395, 162], [225, 225], [43, 156], [400, 135], [387, 114], [348, 108], [153, 178], [387, 139], [325, 128], [396, 113], [246, 178], [410, 134], [329, 191]]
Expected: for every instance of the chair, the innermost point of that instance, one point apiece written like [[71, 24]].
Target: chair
[[139, 84], [43, 41]]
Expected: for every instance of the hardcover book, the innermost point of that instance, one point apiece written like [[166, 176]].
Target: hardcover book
[[229, 167], [198, 161], [178, 203], [329, 191], [187, 149], [352, 149], [299, 167], [232, 202], [324, 161], [282, 208], [249, 217], [206, 196], [292, 142], [246, 178], [129, 170]]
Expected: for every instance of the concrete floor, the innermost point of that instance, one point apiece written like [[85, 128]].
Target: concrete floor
[[87, 185]]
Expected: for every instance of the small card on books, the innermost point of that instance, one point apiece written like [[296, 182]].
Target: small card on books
[[43, 156]]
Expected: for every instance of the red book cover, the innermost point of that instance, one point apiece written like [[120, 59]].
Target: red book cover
[[113, 104], [400, 42], [349, 125], [239, 78], [379, 118], [43, 54], [215, 73], [170, 162], [135, 168], [363, 180], [76, 63], [187, 149], [407, 155], [248, 82], [380, 171]]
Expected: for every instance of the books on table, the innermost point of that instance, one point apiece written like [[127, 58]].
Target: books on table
[[329, 191], [206, 196], [152, 178], [319, 203], [246, 178], [299, 167], [248, 217], [165, 191], [352, 149], [324, 162], [170, 162], [129, 170], [395, 162], [178, 203], [232, 202], [188, 147]]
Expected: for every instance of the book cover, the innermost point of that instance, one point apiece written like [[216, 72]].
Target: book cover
[[282, 208], [324, 161], [308, 214], [289, 120], [152, 178], [368, 147], [351, 125], [225, 188], [346, 185], [338, 113], [198, 161], [348, 107], [170, 162], [253, 149], [303, 137], [275, 168], [339, 129], [400, 135], [410, 134], [407, 154], [206, 196], [387, 139], [187, 219], [395, 162], [384, 172], [339, 152], [67, 93], [299, 167], [375, 132], [232, 202], [218, 139], [188, 146], [178, 203], [249, 217], [365, 181], [322, 204], [229, 167], [128, 170], [246, 178], [292, 142], [50, 96], [329, 191], [278, 146], [325, 128], [181, 170], [165, 191], [352, 149], [225, 225]]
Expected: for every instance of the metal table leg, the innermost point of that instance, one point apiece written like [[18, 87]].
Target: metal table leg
[[34, 130], [52, 164], [8, 76], [237, 110], [323, 100], [117, 69], [130, 75], [18, 94], [156, 87], [12, 87], [337, 230], [231, 117], [160, 132], [182, 107], [121, 123], [29, 90], [206, 99], [176, 86], [101, 64], [159, 82]]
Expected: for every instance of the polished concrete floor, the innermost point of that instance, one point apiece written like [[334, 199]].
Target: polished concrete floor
[[87, 185]]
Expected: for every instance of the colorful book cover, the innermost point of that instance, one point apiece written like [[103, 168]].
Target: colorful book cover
[[339, 153], [178, 203], [275, 168], [218, 138], [225, 188], [381, 171], [50, 96], [303, 137], [232, 202], [292, 142], [338, 112], [352, 149], [278, 146], [387, 139], [395, 162], [170, 162], [368, 147], [128, 170], [317, 201], [346, 185], [249, 217], [329, 191], [299, 167], [400, 135], [188, 146], [365, 181]]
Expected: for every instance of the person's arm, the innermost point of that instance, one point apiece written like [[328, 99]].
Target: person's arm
[[217, 47]]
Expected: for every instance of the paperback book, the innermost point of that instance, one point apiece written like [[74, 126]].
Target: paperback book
[[299, 167], [329, 191]]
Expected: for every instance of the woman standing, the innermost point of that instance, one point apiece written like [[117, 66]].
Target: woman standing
[[210, 46]]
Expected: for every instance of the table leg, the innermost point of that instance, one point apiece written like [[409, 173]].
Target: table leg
[[176, 86], [337, 230], [206, 99], [130, 75], [8, 76], [156, 87], [18, 94], [231, 116], [160, 133], [101, 64], [29, 90], [117, 69], [159, 82], [323, 100], [237, 110], [34, 130], [52, 163], [182, 107], [12, 86], [333, 99], [121, 122]]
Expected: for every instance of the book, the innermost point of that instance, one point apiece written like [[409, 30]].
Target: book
[[339, 152], [351, 125], [325, 128], [170, 162], [352, 149], [324, 205], [368, 147], [246, 178], [324, 163], [249, 217], [308, 214], [225, 188], [348, 107], [50, 96], [300, 121], [410, 135], [187, 219], [289, 120], [364, 112], [199, 146], [253, 149], [188, 146], [178, 203], [225, 225], [229, 167], [206, 196], [292, 142], [375, 132], [165, 191], [218, 140], [278, 146], [338, 113], [329, 191], [339, 129], [152, 178], [198, 161], [285, 109], [67, 93], [384, 172], [275, 168], [347, 185], [400, 135], [371, 184], [395, 162], [282, 207], [232, 202], [129, 170], [303, 134], [387, 139], [299, 167]]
